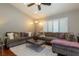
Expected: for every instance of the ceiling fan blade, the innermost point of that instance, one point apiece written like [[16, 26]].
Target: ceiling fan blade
[[30, 4], [46, 4], [39, 7]]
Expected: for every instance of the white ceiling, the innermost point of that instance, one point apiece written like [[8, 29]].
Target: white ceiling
[[55, 8]]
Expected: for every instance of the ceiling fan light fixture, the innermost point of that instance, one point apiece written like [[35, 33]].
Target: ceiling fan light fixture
[[37, 3]]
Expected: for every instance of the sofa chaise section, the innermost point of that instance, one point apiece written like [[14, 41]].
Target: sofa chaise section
[[65, 47]]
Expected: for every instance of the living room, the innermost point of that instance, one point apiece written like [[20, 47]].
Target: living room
[[45, 29]]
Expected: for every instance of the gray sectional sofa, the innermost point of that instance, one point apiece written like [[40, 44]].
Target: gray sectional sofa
[[22, 37], [19, 38], [49, 36]]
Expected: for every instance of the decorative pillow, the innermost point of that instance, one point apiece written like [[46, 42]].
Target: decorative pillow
[[10, 36], [25, 34], [29, 34], [61, 36], [67, 36], [72, 37], [16, 35]]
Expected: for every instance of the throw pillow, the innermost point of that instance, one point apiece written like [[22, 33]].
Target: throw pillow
[[61, 36], [29, 34], [71, 37], [16, 35], [67, 36], [10, 36]]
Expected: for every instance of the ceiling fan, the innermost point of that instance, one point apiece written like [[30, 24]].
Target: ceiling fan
[[38, 5]]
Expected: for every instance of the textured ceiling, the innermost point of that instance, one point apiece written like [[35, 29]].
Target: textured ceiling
[[55, 8]]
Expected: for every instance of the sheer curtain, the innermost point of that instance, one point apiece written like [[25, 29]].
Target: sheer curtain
[[45, 27], [63, 25], [56, 25], [50, 27]]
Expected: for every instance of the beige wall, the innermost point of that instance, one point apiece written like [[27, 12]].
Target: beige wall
[[31, 26], [11, 19]]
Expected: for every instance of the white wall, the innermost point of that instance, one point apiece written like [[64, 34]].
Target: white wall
[[73, 18], [11, 19]]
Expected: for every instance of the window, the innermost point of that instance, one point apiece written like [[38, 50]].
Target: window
[[50, 26], [63, 23], [45, 29], [56, 25]]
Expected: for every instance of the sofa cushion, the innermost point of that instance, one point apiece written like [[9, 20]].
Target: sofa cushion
[[65, 42], [50, 38], [23, 34], [17, 40], [49, 34]]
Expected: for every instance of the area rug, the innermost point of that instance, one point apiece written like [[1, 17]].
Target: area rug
[[36, 47], [23, 50]]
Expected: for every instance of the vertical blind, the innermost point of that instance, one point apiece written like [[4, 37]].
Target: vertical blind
[[56, 25]]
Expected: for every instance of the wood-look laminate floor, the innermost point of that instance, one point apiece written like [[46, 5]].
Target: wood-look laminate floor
[[7, 52]]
